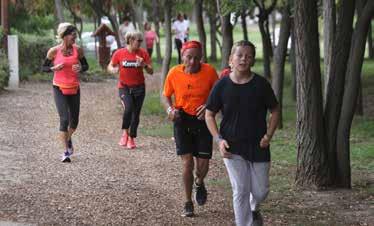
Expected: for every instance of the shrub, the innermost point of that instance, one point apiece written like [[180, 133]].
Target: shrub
[[32, 52], [4, 70], [4, 67]]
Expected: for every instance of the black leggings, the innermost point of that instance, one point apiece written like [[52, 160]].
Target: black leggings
[[68, 109], [178, 45], [132, 98]]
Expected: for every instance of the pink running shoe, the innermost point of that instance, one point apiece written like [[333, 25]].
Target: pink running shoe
[[131, 143], [124, 139]]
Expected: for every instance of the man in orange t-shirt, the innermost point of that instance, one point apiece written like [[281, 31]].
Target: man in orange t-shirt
[[190, 83]]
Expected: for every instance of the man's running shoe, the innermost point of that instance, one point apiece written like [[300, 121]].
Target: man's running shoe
[[124, 139], [188, 210], [201, 194], [70, 147], [131, 143], [66, 157]]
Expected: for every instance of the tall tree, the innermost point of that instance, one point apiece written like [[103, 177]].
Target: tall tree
[[5, 21], [370, 42], [292, 60], [243, 16], [198, 8], [280, 53], [156, 21], [168, 43], [328, 37], [263, 23], [353, 73], [345, 69], [59, 11], [312, 169], [337, 69], [212, 17], [227, 36]]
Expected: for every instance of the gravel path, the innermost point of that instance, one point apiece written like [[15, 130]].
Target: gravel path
[[105, 184]]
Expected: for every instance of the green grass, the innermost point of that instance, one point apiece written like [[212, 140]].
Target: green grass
[[152, 105]]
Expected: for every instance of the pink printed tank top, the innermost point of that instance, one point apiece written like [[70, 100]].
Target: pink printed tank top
[[66, 77]]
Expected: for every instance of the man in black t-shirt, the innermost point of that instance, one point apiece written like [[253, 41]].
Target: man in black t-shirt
[[244, 98]]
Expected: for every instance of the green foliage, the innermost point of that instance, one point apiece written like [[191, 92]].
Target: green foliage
[[32, 52], [22, 21], [229, 6], [4, 67]]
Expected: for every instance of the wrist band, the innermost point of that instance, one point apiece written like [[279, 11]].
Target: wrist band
[[170, 109]]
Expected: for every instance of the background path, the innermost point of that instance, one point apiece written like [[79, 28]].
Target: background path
[[104, 184]]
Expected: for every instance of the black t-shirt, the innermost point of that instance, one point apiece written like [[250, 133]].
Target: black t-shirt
[[244, 108]]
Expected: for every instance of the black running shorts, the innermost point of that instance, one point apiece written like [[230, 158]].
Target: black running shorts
[[192, 136]]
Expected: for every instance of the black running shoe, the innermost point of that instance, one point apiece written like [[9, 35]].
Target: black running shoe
[[201, 194], [257, 218], [188, 210]]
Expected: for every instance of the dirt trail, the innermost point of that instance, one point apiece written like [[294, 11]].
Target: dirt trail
[[105, 184]]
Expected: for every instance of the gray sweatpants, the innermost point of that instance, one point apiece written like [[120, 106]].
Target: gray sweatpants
[[250, 186]]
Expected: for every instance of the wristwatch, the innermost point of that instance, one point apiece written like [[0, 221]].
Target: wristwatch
[[218, 138]]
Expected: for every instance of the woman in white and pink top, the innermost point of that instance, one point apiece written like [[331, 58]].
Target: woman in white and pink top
[[150, 37]]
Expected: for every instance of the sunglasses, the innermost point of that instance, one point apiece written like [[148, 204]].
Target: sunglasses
[[139, 40]]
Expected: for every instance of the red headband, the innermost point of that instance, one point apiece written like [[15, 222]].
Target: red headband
[[191, 45]]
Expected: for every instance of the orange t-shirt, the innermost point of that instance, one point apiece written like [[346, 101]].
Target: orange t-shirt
[[190, 90]]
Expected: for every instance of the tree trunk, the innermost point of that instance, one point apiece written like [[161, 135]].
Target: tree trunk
[[328, 38], [227, 39], [337, 70], [312, 167], [263, 23], [156, 21], [280, 58], [198, 8], [370, 43], [5, 23], [213, 32], [360, 4], [59, 11], [293, 61], [138, 15], [266, 46], [168, 44], [243, 16], [360, 104], [354, 67], [273, 26]]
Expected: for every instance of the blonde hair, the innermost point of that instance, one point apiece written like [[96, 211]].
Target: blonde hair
[[133, 35], [244, 43], [62, 27]]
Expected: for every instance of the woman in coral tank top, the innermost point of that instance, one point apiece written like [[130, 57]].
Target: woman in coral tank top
[[66, 60]]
